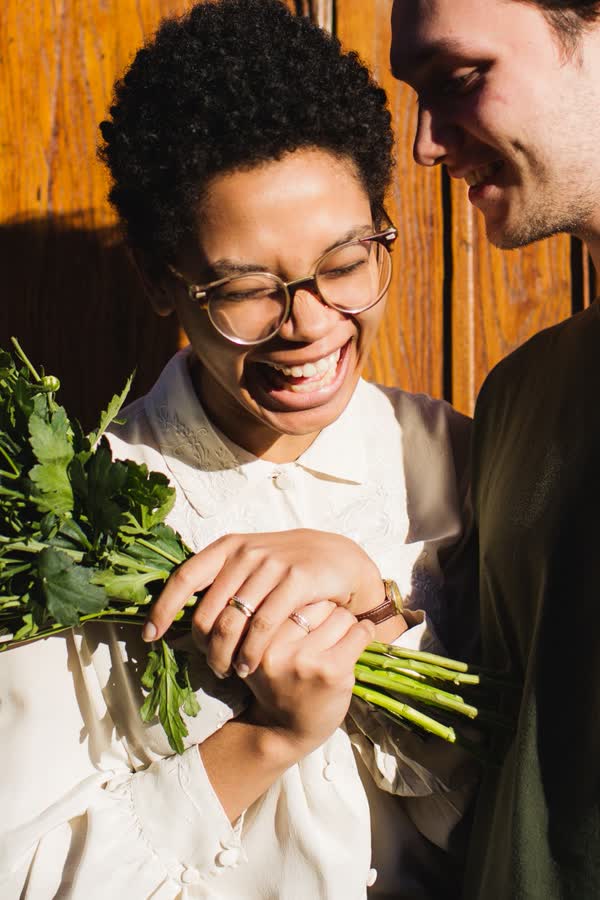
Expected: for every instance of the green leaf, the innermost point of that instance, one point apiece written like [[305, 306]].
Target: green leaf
[[28, 629], [129, 586], [160, 547], [191, 707], [99, 486], [51, 441], [67, 588], [148, 677], [167, 696], [111, 412], [52, 481], [151, 497]]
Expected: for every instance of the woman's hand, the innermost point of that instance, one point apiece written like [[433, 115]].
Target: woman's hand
[[273, 575], [303, 685]]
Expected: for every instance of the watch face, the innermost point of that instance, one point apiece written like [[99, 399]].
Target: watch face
[[392, 593]]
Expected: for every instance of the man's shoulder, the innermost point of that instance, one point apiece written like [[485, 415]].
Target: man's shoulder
[[540, 353]]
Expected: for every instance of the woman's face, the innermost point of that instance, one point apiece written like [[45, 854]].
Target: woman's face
[[280, 216]]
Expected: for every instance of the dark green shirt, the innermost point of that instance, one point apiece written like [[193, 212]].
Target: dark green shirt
[[536, 457]]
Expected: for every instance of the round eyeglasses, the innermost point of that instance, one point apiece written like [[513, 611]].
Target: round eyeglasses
[[251, 308]]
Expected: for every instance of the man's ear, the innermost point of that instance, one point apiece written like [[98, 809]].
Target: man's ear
[[157, 283]]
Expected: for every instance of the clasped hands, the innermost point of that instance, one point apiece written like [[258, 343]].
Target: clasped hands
[[255, 582], [292, 665]]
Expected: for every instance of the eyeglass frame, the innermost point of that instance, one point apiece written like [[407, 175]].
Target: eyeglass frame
[[198, 293]]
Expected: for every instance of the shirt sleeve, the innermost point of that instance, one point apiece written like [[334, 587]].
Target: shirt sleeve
[[164, 827], [167, 823]]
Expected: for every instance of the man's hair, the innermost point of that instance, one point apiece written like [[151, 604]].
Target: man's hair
[[230, 85], [569, 17]]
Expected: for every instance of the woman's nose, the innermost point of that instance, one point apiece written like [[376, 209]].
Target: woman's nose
[[310, 318]]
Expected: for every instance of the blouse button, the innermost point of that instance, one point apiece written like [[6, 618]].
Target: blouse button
[[283, 480], [329, 772], [190, 876], [228, 857], [371, 877]]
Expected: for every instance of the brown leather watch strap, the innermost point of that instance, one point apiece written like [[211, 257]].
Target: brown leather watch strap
[[391, 606]]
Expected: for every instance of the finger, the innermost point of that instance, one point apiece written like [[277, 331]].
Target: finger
[[328, 622], [330, 631], [194, 575], [276, 607], [255, 642], [222, 639], [342, 655]]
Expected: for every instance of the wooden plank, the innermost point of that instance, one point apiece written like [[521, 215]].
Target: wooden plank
[[409, 350], [499, 298], [70, 292]]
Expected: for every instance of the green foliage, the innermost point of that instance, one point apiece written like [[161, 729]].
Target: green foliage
[[81, 536], [67, 588], [167, 681]]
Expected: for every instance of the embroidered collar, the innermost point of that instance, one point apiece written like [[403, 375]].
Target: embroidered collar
[[195, 453]]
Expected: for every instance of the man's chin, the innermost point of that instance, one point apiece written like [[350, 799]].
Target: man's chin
[[505, 237]]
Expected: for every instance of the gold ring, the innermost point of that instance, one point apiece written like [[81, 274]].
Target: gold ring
[[243, 607], [300, 620]]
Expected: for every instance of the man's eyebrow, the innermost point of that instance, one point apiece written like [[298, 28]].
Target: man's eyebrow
[[405, 65]]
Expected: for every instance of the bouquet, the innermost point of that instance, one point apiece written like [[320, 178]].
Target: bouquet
[[83, 537]]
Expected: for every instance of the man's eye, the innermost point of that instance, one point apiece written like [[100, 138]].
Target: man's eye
[[460, 84]]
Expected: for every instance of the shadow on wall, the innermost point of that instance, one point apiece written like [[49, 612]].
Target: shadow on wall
[[72, 296]]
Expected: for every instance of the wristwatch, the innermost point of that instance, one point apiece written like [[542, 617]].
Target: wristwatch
[[391, 606]]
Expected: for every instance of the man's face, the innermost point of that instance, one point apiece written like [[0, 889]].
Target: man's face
[[504, 107]]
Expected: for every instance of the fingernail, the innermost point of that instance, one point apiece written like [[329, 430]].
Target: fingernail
[[222, 675], [242, 670], [149, 631]]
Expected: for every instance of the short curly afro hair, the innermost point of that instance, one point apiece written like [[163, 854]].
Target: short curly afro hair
[[230, 85]]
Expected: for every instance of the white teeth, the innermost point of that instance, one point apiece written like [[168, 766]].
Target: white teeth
[[309, 370], [478, 175], [305, 386]]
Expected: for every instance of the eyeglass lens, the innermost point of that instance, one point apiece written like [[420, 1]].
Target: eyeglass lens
[[351, 278]]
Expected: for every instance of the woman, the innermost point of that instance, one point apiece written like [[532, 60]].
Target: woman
[[249, 159]]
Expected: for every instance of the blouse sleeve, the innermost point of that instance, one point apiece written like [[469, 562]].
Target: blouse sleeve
[[84, 799]]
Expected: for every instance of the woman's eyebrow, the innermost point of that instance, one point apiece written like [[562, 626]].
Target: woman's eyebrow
[[356, 232], [225, 266]]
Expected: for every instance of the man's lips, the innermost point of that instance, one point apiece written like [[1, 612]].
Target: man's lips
[[477, 175]]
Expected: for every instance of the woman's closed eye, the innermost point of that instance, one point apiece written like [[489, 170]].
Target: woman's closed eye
[[238, 296], [341, 271]]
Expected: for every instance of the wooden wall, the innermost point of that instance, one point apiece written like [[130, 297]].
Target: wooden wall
[[69, 291]]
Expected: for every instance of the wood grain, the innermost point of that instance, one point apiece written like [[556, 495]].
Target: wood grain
[[409, 350], [69, 289], [499, 298]]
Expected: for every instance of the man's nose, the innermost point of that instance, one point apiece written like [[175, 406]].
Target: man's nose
[[435, 140]]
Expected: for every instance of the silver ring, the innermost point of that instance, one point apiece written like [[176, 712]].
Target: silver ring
[[239, 604], [300, 620]]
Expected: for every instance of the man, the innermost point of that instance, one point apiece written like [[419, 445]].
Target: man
[[509, 101]]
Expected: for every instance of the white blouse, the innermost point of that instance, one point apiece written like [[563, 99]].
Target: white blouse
[[93, 802]]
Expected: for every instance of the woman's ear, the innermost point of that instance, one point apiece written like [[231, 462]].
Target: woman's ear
[[156, 286]]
